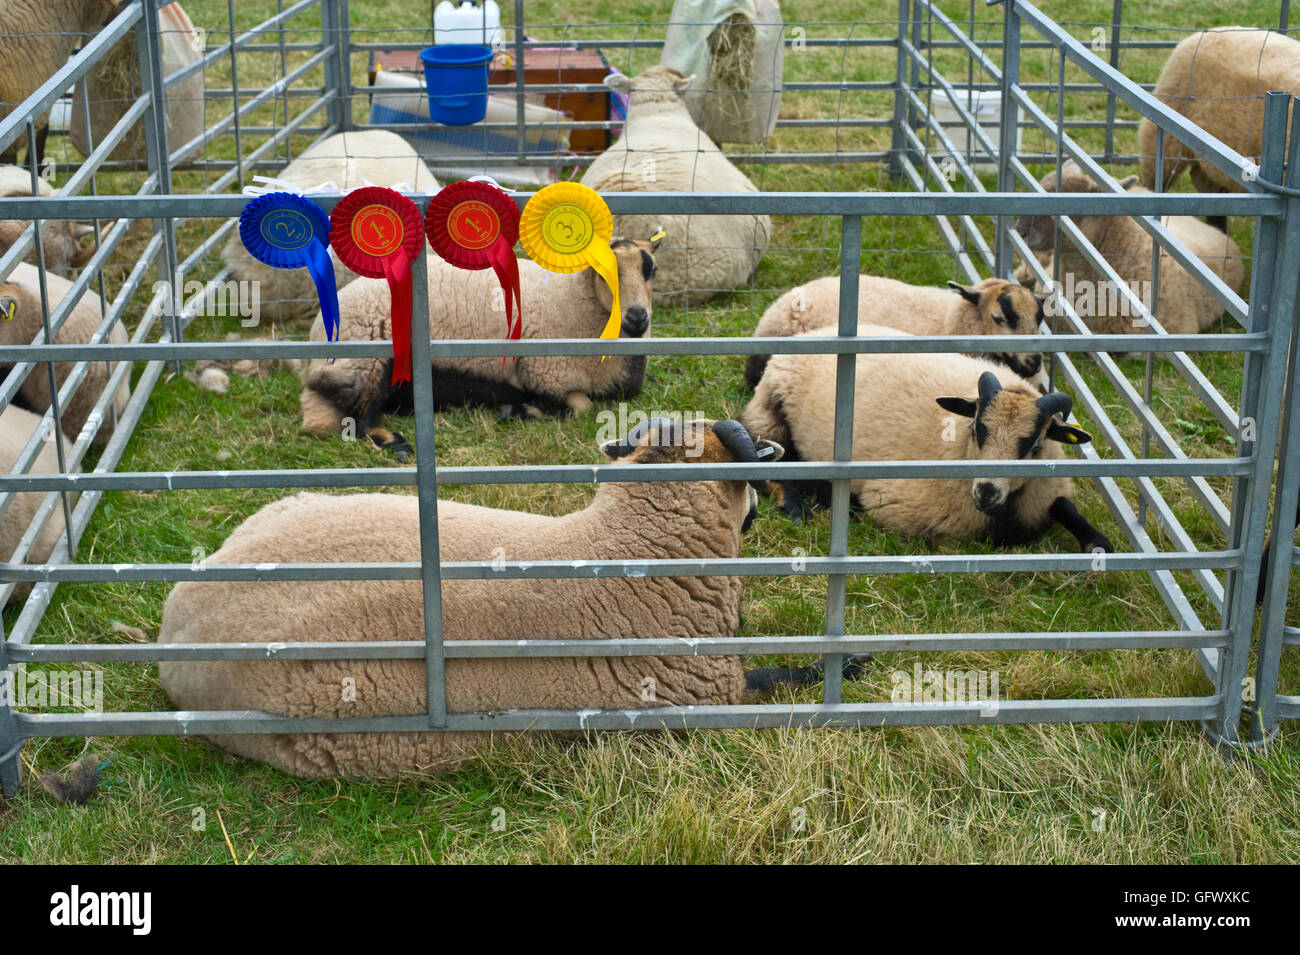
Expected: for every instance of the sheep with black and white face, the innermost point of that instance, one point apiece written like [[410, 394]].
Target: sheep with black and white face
[[928, 407]]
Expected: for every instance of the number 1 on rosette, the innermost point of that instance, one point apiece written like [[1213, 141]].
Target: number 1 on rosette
[[286, 230], [475, 225], [376, 232]]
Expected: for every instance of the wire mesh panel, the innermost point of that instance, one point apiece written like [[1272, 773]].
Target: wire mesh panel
[[887, 160]]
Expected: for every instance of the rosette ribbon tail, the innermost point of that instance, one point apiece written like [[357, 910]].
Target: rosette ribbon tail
[[397, 269], [322, 273], [606, 266], [502, 256]]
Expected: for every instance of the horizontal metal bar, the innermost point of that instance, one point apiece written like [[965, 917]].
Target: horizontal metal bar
[[625, 569], [650, 646], [597, 473], [753, 716], [495, 348], [715, 203]]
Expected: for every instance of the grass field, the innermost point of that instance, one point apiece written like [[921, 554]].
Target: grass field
[[1114, 793]]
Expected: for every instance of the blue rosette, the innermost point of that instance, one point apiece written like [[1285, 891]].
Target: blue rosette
[[286, 230]]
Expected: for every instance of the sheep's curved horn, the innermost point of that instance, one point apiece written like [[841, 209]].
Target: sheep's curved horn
[[1056, 403], [736, 439], [989, 386], [639, 431]]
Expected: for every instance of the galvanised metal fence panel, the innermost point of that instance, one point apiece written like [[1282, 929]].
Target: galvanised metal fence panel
[[1222, 644]]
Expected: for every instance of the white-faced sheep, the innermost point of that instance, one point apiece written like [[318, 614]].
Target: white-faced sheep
[[1184, 307], [36, 39], [465, 305], [16, 429], [374, 157], [625, 521], [990, 307], [908, 407], [662, 149], [62, 238], [21, 293], [1218, 79]]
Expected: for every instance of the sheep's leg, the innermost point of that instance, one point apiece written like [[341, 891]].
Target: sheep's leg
[[535, 406], [1067, 515], [767, 679], [381, 437], [793, 503], [578, 402], [41, 136]]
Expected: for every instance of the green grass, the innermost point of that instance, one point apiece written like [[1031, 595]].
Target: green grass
[[978, 793]]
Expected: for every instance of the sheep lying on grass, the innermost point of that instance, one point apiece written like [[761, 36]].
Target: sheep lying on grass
[[22, 294], [662, 150], [908, 407], [1185, 306], [991, 307], [464, 305], [1218, 79], [375, 157], [62, 238], [16, 429], [626, 521]]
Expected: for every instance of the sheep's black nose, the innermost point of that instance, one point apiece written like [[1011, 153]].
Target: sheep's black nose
[[635, 321], [986, 495], [1030, 364]]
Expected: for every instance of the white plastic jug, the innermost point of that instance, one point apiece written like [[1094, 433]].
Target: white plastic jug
[[467, 23]]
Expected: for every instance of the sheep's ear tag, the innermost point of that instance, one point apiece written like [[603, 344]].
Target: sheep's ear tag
[[376, 232], [288, 231], [475, 225], [766, 451], [567, 227]]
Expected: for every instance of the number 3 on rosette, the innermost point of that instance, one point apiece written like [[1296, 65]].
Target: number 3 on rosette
[[475, 225], [567, 227], [376, 233], [288, 231]]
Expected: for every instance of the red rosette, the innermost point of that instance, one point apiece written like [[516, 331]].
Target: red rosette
[[376, 233], [474, 226]]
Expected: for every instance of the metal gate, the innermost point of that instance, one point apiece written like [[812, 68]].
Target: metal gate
[[975, 223]]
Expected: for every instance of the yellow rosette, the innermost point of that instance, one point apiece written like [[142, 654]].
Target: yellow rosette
[[567, 227]]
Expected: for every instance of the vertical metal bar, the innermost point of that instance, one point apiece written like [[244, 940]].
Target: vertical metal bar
[[149, 51], [345, 63], [898, 139], [1007, 132], [841, 489], [1117, 15], [89, 133], [427, 484], [49, 340], [1261, 404], [1154, 306], [520, 143], [11, 767], [329, 35], [1284, 16], [1277, 573], [284, 69], [234, 94]]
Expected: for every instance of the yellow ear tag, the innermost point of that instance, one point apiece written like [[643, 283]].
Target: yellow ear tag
[[9, 312], [657, 236], [567, 227]]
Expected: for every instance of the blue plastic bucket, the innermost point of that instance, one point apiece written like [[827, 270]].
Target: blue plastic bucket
[[456, 75]]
